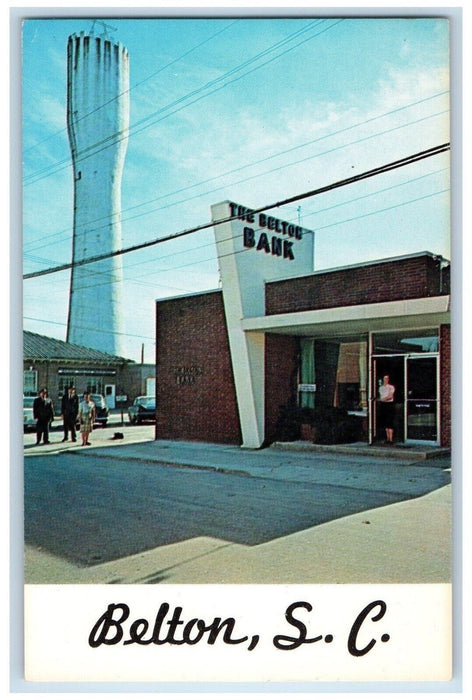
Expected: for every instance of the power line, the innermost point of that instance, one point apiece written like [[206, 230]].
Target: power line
[[341, 183], [336, 223], [136, 279], [123, 134], [380, 211], [253, 177], [133, 87], [44, 260], [280, 167], [305, 216], [297, 147], [374, 194], [85, 328], [93, 284], [245, 250]]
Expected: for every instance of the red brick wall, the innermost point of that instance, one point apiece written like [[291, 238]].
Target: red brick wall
[[281, 378], [192, 346], [194, 380], [408, 278], [445, 384]]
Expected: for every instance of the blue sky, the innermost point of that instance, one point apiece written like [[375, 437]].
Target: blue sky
[[252, 110]]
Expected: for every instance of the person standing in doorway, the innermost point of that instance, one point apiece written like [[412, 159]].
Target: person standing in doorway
[[86, 418], [69, 411], [43, 413], [387, 408]]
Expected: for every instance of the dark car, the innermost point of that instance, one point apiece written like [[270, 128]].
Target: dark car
[[101, 409], [143, 408]]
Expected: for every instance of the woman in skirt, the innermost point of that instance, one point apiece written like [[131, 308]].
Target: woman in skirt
[[86, 418], [387, 408]]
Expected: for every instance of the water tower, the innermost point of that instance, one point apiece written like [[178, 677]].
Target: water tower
[[98, 122]]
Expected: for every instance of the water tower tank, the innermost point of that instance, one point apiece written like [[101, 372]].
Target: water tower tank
[[98, 122]]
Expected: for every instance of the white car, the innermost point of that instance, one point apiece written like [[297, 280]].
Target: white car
[[28, 420]]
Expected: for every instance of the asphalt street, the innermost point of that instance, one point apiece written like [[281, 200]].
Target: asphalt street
[[92, 507]]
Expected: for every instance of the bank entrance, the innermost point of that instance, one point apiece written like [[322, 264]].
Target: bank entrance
[[342, 376], [411, 360]]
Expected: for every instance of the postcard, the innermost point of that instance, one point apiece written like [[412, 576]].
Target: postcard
[[238, 353]]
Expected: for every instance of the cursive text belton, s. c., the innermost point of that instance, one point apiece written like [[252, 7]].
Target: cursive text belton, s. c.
[[170, 627]]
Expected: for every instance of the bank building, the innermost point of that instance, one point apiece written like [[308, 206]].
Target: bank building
[[284, 353]]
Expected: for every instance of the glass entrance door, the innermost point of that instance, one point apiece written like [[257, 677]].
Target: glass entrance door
[[394, 367], [422, 398]]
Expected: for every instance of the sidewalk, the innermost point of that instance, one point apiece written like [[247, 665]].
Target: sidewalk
[[409, 541]]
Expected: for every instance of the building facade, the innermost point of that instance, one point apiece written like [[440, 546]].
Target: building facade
[[55, 364], [270, 354]]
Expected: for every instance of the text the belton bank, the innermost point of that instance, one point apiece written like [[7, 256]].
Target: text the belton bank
[[262, 241]]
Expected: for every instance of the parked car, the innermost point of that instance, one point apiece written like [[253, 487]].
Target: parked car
[[142, 408], [29, 422], [101, 409]]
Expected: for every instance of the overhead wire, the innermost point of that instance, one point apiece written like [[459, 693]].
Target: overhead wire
[[136, 278], [111, 279], [318, 228], [121, 135], [124, 134], [94, 329], [289, 150], [375, 193], [253, 177], [134, 86], [239, 252], [244, 251], [282, 167], [179, 234], [381, 211], [200, 261]]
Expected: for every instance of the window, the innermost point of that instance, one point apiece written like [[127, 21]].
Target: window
[[406, 342], [30, 382], [338, 370], [64, 383], [351, 376]]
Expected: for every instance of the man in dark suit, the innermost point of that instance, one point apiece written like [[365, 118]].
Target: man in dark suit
[[69, 411], [43, 413]]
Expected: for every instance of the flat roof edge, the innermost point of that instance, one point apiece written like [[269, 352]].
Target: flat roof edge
[[188, 295], [366, 263]]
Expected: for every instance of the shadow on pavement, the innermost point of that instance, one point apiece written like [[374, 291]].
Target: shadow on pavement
[[91, 511]]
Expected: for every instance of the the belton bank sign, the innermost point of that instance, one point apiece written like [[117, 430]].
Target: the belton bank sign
[[254, 248], [256, 237]]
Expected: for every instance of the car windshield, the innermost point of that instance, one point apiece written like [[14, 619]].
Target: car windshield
[[146, 401], [28, 401]]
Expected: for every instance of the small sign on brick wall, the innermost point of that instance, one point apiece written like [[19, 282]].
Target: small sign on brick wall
[[307, 387]]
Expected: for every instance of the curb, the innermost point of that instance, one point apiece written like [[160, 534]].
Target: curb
[[370, 451], [161, 462]]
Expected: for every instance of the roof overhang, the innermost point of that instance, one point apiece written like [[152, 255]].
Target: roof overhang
[[411, 313]]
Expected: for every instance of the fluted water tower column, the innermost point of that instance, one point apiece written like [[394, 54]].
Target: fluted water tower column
[[98, 122]]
